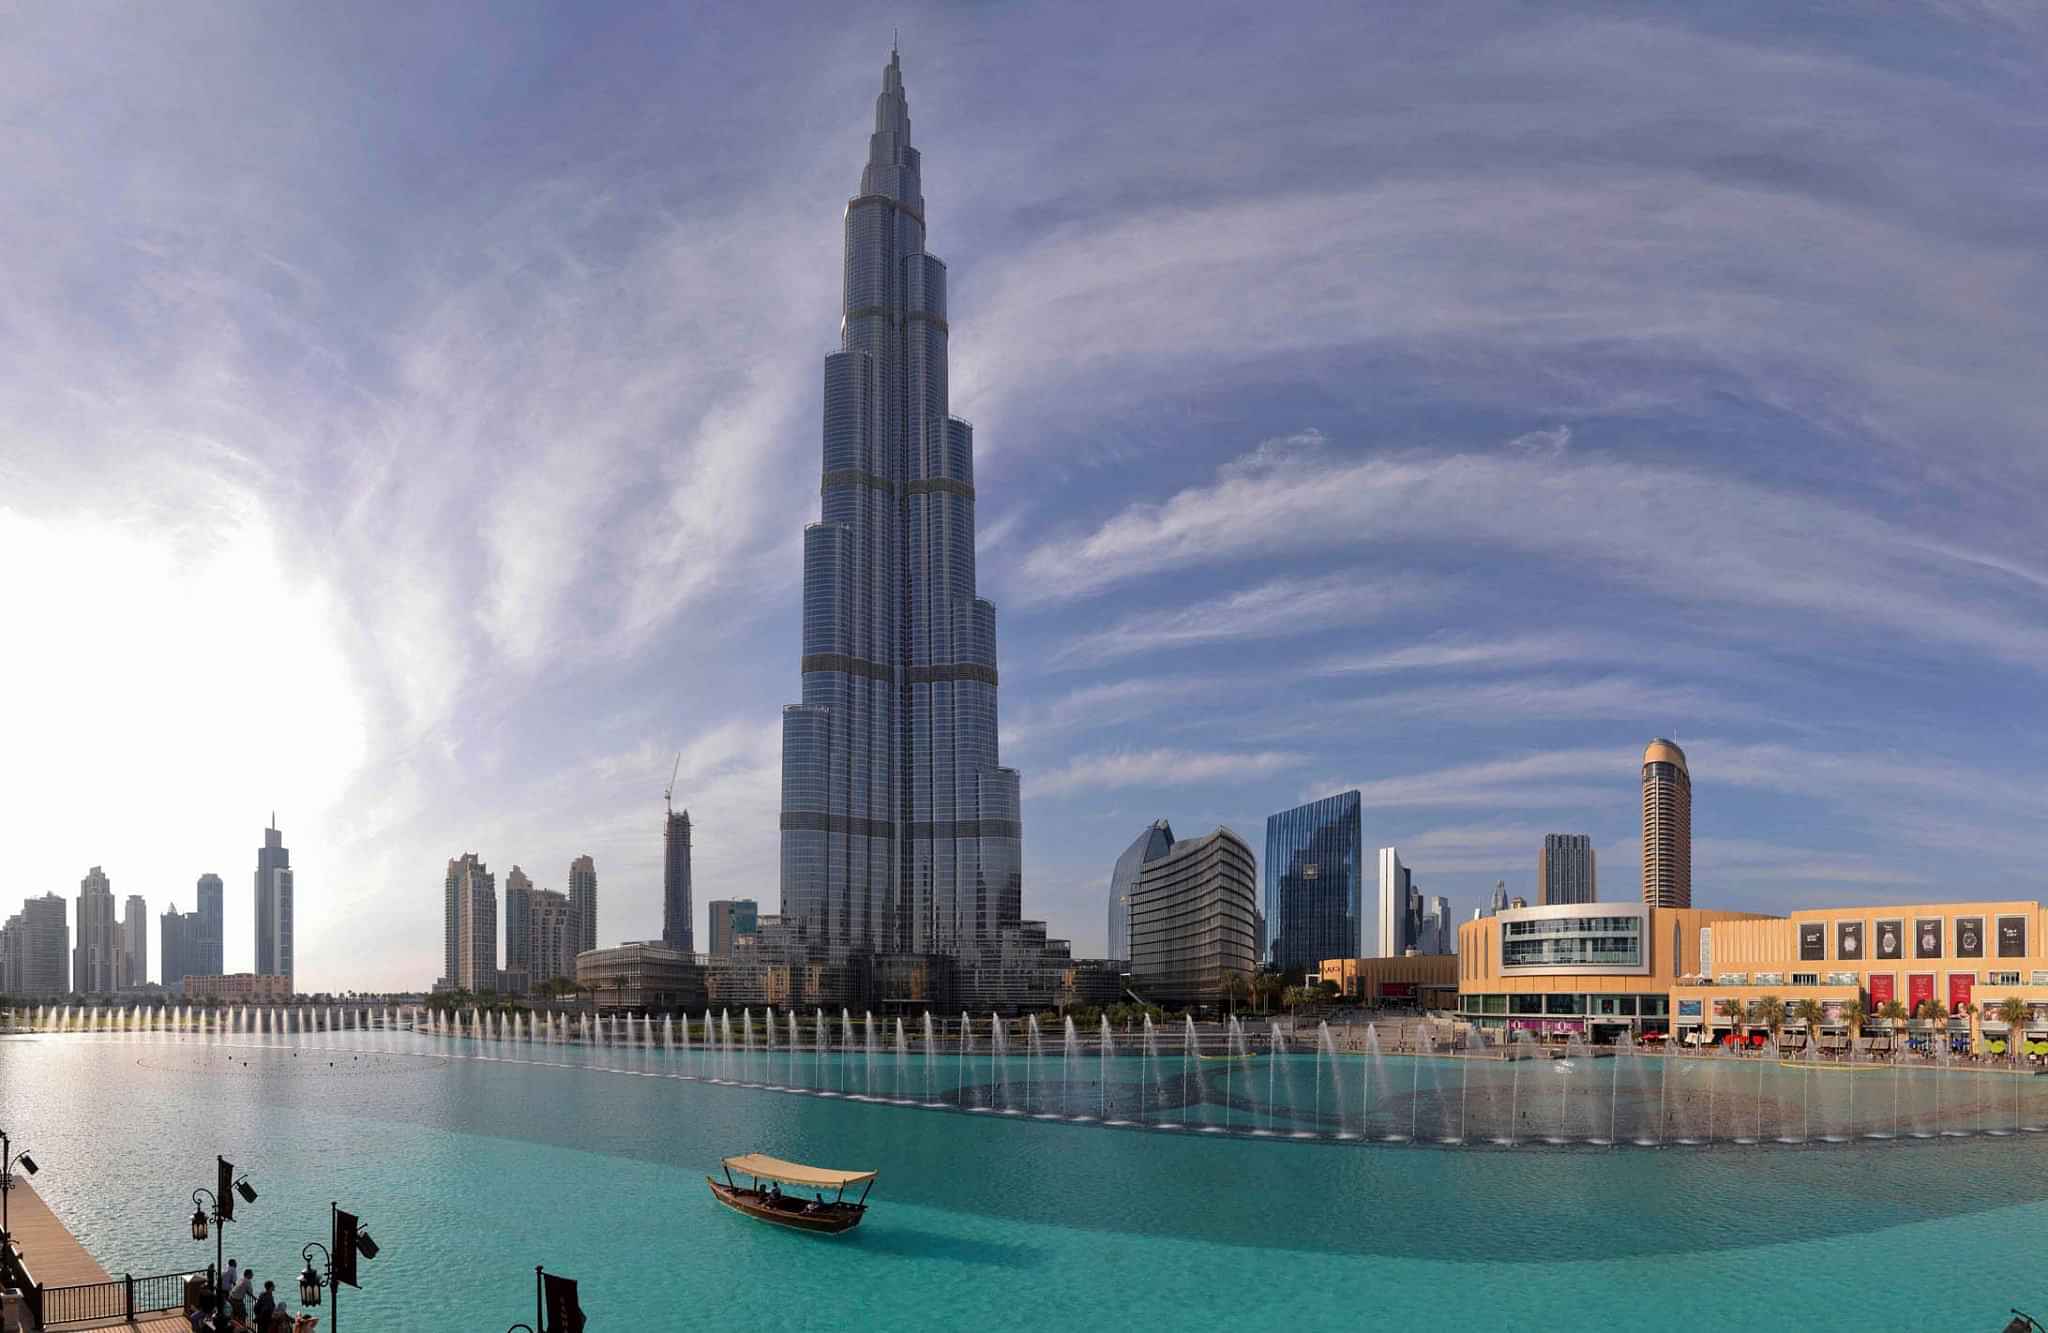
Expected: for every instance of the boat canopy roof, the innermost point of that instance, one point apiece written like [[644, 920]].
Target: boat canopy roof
[[763, 1167]]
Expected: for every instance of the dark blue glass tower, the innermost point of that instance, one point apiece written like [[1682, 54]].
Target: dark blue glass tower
[[900, 830], [1314, 873]]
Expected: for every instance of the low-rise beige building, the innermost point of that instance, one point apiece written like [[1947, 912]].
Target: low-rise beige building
[[240, 988], [1418, 981], [1597, 969]]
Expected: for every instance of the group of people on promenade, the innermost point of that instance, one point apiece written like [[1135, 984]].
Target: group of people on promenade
[[239, 1306]]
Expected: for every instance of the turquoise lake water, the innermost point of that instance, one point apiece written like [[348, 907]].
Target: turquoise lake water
[[471, 1170]]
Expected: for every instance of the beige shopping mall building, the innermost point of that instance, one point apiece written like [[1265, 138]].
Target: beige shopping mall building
[[1598, 970]]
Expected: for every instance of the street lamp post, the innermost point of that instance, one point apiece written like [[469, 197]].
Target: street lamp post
[[346, 1240], [8, 1158], [219, 1203]]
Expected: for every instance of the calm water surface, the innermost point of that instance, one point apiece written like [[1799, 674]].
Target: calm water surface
[[470, 1171]]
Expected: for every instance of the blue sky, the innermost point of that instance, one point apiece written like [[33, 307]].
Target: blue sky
[[408, 421]]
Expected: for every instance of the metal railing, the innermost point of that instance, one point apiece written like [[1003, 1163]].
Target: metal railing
[[119, 1298]]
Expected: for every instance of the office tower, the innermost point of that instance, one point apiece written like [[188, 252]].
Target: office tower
[[1315, 861], [1499, 902], [1443, 931], [93, 957], [1667, 826], [1565, 871], [549, 948], [1194, 918], [210, 956], [676, 908], [1397, 893], [583, 901], [470, 922], [900, 828], [178, 948], [1153, 843], [39, 941], [273, 905], [731, 918], [518, 918], [134, 962]]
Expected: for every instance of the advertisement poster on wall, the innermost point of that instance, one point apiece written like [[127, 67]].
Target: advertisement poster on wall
[[1919, 988], [1849, 941], [1969, 937], [1813, 941], [1959, 987], [1927, 937], [1882, 989], [1891, 939], [2012, 937]]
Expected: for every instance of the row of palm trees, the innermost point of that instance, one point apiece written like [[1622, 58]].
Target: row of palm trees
[[1265, 986], [1773, 1013]]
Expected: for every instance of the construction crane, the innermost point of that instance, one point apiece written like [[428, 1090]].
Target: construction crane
[[668, 794]]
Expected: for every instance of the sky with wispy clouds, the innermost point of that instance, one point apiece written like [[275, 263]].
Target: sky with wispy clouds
[[409, 415]]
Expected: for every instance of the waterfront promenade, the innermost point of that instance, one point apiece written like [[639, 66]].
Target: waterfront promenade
[[56, 1258]]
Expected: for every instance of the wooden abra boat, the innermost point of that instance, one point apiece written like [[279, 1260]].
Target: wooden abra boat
[[766, 1201]]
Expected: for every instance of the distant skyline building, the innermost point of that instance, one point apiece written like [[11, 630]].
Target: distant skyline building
[[1194, 918], [178, 948], [1399, 915], [731, 918], [274, 906], [1153, 843], [1565, 870], [37, 948], [1667, 826], [1315, 865], [1499, 902], [901, 829], [470, 914], [95, 955], [551, 938], [134, 968], [677, 911], [518, 920], [583, 900], [1440, 933], [211, 939]]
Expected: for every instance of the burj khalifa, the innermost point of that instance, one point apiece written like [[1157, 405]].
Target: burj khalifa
[[901, 832]]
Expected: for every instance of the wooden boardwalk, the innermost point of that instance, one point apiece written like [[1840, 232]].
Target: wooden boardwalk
[[56, 1258]]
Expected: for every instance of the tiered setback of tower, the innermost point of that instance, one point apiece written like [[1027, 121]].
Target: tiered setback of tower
[[902, 835]]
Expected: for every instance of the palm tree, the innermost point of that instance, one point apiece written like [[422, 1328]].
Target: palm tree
[[1233, 986], [1935, 1014], [1893, 1013], [1855, 1015], [1809, 1012], [1770, 1011], [1732, 1009], [2013, 1012]]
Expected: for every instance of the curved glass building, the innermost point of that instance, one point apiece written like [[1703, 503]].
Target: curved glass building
[[1152, 844], [1314, 862], [901, 831]]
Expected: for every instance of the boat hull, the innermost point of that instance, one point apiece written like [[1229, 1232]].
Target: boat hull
[[832, 1220]]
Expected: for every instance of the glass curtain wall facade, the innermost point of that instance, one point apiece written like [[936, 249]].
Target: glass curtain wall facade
[[273, 905], [1314, 866], [678, 912], [1152, 844], [901, 831]]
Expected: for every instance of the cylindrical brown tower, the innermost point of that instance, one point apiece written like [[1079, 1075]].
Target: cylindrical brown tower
[[1667, 826]]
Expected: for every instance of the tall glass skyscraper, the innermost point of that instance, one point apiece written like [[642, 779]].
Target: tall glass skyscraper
[[901, 831], [1314, 863], [273, 905]]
